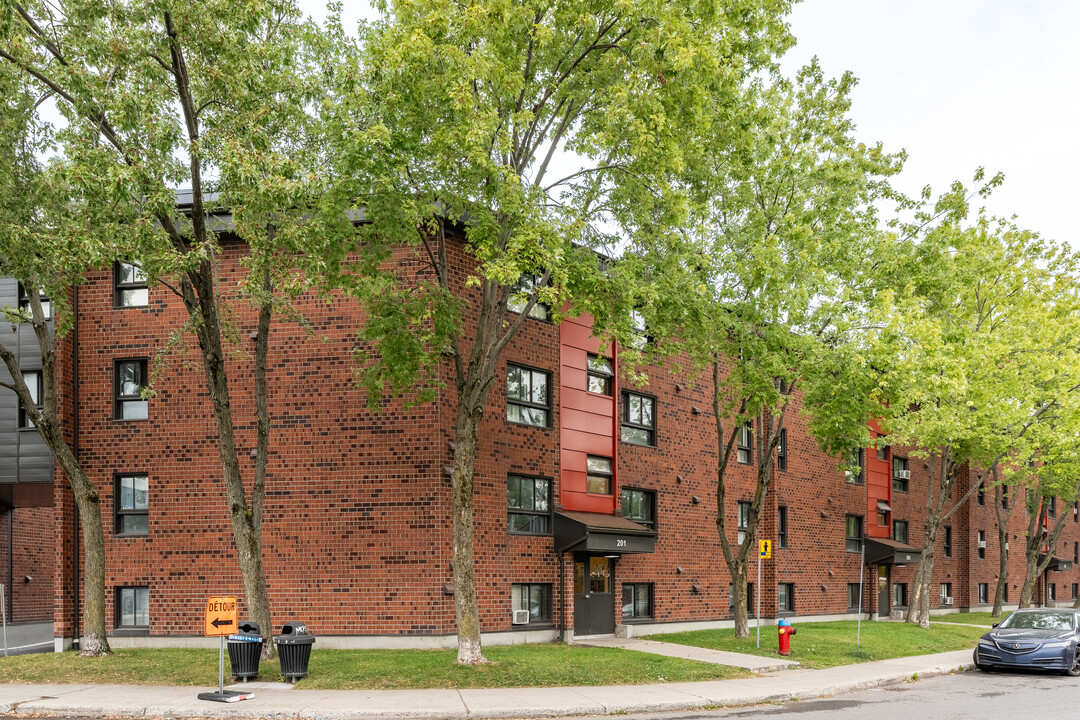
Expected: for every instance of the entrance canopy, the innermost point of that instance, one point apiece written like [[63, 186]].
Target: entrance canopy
[[599, 532], [1056, 564], [882, 551]]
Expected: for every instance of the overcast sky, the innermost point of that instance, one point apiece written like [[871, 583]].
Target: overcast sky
[[959, 84]]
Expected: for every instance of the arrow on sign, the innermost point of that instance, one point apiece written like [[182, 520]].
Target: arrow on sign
[[218, 622]]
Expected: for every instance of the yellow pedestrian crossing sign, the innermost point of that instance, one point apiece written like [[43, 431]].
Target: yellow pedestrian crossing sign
[[765, 553]]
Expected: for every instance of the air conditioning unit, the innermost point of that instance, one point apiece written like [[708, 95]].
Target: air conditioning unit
[[946, 601], [521, 617], [982, 544], [902, 474], [1006, 546]]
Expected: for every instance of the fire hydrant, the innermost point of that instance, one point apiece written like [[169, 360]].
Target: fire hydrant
[[785, 632]]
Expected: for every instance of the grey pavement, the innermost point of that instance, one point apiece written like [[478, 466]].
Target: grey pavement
[[754, 663], [26, 638], [275, 700]]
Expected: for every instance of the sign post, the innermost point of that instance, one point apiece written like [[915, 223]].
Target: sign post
[[764, 553], [221, 621]]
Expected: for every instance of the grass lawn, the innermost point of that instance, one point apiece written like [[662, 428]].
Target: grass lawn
[[547, 665], [827, 644], [972, 618]]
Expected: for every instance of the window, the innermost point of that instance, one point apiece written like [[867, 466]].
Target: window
[[883, 452], [527, 398], [745, 453], [528, 503], [946, 593], [853, 595], [33, 380], [854, 533], [1051, 508], [899, 595], [900, 474], [24, 303], [1005, 593], [980, 495], [641, 333], [132, 504], [600, 374], [743, 520], [980, 537], [519, 297], [899, 531], [1051, 591], [133, 607], [1076, 553], [947, 544], [785, 597], [130, 381], [639, 506], [1076, 511], [637, 601], [781, 450], [856, 474], [534, 597], [1075, 590], [984, 593], [598, 480], [1004, 497], [638, 419], [129, 285], [781, 526]]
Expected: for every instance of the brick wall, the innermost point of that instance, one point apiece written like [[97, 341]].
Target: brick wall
[[27, 564]]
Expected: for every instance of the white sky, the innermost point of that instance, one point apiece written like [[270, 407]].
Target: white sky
[[959, 84]]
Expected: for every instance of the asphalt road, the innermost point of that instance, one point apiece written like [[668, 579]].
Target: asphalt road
[[974, 695]]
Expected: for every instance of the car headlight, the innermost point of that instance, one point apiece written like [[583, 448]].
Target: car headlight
[[987, 644], [1058, 644]]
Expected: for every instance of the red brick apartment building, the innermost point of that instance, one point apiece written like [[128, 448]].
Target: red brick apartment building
[[595, 501]]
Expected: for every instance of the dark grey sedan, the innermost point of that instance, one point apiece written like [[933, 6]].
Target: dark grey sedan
[[1036, 639]]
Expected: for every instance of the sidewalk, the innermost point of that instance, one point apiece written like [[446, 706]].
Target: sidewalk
[[275, 700]]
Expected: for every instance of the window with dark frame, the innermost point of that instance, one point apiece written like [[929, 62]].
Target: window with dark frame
[[528, 401], [1005, 593], [519, 298], [857, 461], [24, 303], [601, 374], [883, 452], [980, 495], [899, 531], [853, 595], [1004, 497], [1076, 553], [598, 479], [534, 597], [34, 380], [641, 332], [947, 542], [853, 527], [528, 505], [946, 593], [745, 452], [785, 597], [899, 594], [638, 419], [639, 506], [781, 450], [129, 285], [133, 607], [1051, 508], [637, 601], [742, 520], [900, 474], [781, 527], [1075, 590], [132, 504], [1051, 591], [980, 539], [984, 593], [130, 380]]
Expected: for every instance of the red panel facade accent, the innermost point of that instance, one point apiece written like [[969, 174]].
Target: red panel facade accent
[[878, 487]]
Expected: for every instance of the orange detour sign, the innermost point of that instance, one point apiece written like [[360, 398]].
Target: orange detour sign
[[220, 616]]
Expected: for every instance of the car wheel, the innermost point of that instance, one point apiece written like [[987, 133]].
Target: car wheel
[[1074, 671], [979, 665]]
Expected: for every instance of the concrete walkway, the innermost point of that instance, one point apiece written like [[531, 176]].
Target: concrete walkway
[[754, 663], [274, 701]]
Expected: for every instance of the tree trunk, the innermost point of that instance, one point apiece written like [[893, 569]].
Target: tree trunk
[[919, 607], [1003, 550], [1031, 579], [462, 480], [739, 606]]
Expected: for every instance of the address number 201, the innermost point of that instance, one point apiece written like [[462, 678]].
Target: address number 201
[[620, 543]]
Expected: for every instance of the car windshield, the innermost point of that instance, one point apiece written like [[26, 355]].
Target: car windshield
[[1039, 621]]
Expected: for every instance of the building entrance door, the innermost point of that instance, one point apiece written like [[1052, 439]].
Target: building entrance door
[[594, 602], [883, 591]]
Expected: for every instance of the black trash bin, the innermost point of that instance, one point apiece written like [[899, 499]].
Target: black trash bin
[[294, 650], [245, 650]]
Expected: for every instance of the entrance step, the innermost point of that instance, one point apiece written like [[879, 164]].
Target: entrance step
[[754, 663]]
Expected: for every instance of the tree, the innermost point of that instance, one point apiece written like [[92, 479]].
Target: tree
[[977, 350], [759, 293], [215, 96], [1003, 510], [453, 116]]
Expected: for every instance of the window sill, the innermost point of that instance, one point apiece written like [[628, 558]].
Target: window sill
[[130, 631], [527, 534], [539, 624], [640, 445], [131, 535], [785, 613], [130, 420], [527, 425], [638, 620]]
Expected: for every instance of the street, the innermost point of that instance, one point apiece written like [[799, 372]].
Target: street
[[985, 696]]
